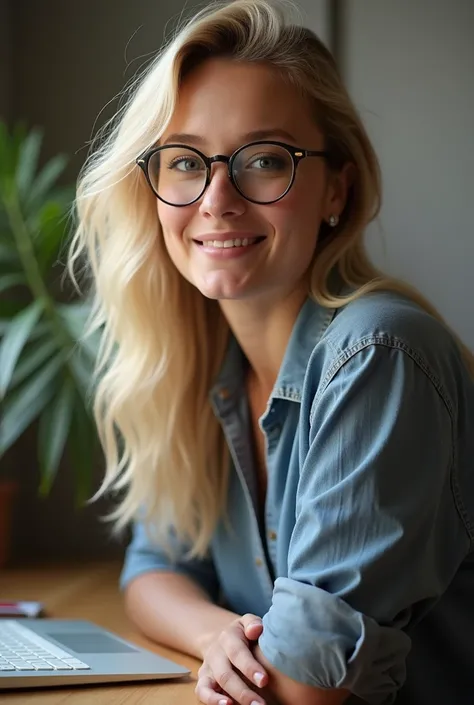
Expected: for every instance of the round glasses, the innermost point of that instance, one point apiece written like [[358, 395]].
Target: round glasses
[[262, 172]]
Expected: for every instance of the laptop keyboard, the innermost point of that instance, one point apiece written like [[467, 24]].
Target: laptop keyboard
[[23, 650]]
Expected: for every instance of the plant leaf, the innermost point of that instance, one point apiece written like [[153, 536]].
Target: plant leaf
[[45, 180], [51, 234], [9, 280], [10, 143], [32, 360], [83, 451], [53, 431], [28, 162], [75, 316], [82, 368], [22, 407], [14, 340]]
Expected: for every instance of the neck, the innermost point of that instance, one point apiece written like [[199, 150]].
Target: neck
[[263, 329]]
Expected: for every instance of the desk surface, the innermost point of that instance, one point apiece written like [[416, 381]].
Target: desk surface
[[91, 592]]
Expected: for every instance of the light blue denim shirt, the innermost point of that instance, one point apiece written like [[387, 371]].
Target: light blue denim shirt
[[362, 566]]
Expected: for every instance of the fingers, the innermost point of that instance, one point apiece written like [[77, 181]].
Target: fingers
[[230, 673], [248, 620], [207, 690], [233, 684], [242, 659], [253, 626]]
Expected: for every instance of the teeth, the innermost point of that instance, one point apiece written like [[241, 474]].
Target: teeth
[[230, 243]]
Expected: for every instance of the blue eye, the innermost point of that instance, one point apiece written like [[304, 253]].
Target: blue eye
[[267, 162], [185, 163]]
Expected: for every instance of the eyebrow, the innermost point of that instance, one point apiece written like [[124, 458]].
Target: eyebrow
[[186, 138]]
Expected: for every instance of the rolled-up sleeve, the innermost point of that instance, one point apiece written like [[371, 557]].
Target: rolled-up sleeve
[[377, 537], [145, 556]]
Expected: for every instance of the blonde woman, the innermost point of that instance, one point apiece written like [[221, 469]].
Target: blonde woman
[[289, 430]]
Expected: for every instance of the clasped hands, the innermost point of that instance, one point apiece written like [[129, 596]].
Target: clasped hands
[[230, 673]]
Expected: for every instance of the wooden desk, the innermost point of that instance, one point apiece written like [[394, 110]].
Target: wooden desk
[[91, 592]]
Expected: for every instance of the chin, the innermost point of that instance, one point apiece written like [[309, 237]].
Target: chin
[[221, 289], [221, 295]]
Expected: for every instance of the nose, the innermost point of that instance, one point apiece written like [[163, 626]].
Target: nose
[[221, 199]]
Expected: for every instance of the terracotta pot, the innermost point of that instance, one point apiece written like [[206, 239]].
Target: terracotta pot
[[7, 493]]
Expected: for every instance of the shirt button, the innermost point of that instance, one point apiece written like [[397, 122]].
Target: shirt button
[[258, 562], [223, 393], [272, 535]]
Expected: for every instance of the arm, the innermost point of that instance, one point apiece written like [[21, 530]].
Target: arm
[[377, 537], [173, 610], [172, 602]]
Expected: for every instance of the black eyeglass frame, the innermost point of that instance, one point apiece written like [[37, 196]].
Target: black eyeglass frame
[[296, 153]]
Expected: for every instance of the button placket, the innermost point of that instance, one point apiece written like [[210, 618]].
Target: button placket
[[229, 422]]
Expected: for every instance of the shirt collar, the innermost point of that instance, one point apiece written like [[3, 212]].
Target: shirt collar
[[309, 327]]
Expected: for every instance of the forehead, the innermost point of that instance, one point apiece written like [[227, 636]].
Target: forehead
[[223, 100]]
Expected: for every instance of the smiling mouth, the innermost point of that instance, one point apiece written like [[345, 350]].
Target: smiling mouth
[[227, 244]]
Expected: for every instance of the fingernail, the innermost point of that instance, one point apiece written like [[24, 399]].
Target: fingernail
[[258, 678], [255, 702], [223, 702]]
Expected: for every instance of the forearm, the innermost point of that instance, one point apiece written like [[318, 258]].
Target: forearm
[[287, 691], [174, 611]]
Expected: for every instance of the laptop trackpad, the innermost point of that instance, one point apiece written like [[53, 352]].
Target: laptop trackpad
[[91, 643]]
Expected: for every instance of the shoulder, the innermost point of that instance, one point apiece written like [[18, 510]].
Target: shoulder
[[392, 320], [376, 323], [389, 318]]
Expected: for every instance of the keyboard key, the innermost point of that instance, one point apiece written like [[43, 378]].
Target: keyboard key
[[59, 665], [24, 666], [76, 664], [7, 667], [16, 661], [41, 666]]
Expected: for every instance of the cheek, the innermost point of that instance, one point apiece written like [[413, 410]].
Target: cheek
[[173, 223], [297, 218]]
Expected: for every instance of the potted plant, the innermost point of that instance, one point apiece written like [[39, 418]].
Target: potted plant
[[46, 363]]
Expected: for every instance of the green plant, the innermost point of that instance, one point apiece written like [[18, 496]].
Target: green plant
[[45, 364]]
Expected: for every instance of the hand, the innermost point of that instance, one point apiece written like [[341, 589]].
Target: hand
[[229, 668]]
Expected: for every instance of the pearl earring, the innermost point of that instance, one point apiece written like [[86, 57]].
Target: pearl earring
[[333, 220]]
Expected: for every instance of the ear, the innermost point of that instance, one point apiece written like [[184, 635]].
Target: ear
[[339, 183]]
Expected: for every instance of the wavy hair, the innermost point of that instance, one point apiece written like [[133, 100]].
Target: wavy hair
[[162, 341]]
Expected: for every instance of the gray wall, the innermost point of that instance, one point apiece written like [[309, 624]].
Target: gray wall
[[410, 67]]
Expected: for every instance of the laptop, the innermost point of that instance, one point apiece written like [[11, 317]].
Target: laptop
[[47, 652]]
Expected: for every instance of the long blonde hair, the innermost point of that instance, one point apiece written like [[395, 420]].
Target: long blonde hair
[[162, 342]]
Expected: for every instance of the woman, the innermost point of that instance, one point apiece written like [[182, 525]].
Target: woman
[[289, 429]]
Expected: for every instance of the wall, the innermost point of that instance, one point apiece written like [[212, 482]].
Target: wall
[[410, 67]]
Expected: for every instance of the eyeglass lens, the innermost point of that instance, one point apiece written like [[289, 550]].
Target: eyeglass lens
[[262, 173]]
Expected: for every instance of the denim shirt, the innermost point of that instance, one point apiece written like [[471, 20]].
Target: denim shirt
[[362, 565]]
